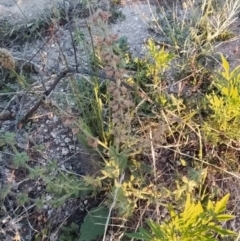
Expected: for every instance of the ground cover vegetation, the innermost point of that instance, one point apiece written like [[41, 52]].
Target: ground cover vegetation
[[163, 158]]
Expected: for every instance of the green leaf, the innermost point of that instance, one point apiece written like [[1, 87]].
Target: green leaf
[[147, 235], [156, 229], [2, 142], [221, 205], [197, 175], [120, 159], [210, 205], [225, 217], [222, 231], [226, 66], [142, 234], [94, 224], [9, 137], [187, 205], [20, 159], [137, 236], [5, 190], [22, 198], [171, 211]]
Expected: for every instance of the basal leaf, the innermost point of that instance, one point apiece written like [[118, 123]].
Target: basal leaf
[[137, 236], [142, 234], [94, 224], [156, 229], [147, 235]]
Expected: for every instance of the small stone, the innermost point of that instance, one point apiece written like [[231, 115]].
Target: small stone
[[55, 118], [48, 197], [42, 126], [50, 212], [53, 134], [45, 130], [23, 144], [39, 188], [66, 213], [63, 144], [85, 202], [67, 140], [65, 151], [71, 147]]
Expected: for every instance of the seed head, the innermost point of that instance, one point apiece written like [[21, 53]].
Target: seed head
[[6, 59]]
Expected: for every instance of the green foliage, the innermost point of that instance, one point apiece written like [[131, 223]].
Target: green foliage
[[20, 159], [195, 222], [7, 138], [94, 120], [62, 184], [224, 104], [5, 190], [22, 199], [149, 73], [116, 164], [158, 61], [154, 65], [94, 224], [189, 184], [194, 26], [69, 233]]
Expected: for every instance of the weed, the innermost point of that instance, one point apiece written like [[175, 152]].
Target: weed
[[224, 105], [147, 138], [195, 222], [194, 27]]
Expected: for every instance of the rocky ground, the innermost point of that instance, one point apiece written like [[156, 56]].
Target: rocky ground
[[23, 11]]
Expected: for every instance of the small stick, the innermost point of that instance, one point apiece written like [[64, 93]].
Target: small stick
[[72, 70]]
